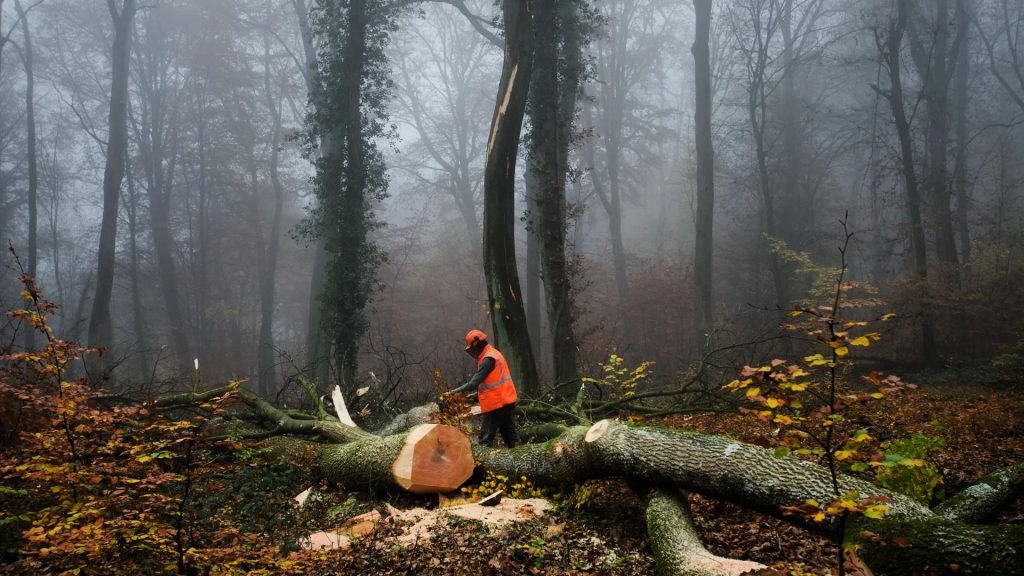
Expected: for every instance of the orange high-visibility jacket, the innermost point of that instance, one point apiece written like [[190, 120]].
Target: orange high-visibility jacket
[[497, 389]]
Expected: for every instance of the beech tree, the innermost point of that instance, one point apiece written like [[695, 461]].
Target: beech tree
[[505, 299], [702, 272], [555, 84], [101, 330]]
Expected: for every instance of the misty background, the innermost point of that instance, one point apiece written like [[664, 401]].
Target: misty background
[[218, 180]]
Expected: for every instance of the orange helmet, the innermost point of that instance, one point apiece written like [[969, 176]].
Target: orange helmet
[[473, 337]]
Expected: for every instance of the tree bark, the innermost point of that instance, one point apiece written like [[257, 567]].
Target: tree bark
[[268, 258], [986, 498], [910, 538], [552, 107], [505, 301], [33, 168], [101, 330], [533, 303], [675, 543], [703, 255], [932, 64], [890, 49], [138, 321], [316, 343], [962, 99], [158, 143]]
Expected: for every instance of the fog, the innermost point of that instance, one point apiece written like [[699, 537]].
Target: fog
[[222, 234]]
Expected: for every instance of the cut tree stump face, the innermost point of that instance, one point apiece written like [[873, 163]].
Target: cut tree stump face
[[435, 458]]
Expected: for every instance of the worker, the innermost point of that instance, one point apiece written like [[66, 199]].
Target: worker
[[496, 391]]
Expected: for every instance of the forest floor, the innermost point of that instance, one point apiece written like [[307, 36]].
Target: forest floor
[[603, 531]]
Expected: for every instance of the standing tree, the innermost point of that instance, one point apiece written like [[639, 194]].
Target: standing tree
[[555, 84], [702, 269], [101, 330], [272, 98], [157, 128], [504, 297], [349, 111], [30, 143], [890, 44], [936, 63]]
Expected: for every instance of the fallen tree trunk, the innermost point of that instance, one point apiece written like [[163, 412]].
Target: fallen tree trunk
[[909, 538], [677, 548], [753, 477], [982, 501], [430, 458]]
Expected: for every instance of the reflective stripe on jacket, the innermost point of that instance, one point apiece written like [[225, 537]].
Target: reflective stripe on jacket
[[497, 389]]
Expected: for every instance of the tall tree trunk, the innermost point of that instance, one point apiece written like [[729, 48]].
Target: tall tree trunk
[[499, 248], [702, 269], [268, 266], [891, 49], [158, 143], [317, 363], [758, 60], [960, 175], [356, 175], [101, 331], [796, 218], [552, 107], [935, 65], [33, 169], [937, 93], [138, 320], [533, 303], [316, 344], [613, 150]]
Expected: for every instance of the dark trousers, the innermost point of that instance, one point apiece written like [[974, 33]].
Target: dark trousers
[[503, 419]]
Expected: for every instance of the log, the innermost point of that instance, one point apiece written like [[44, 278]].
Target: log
[[406, 420], [910, 538], [982, 501], [430, 458], [753, 477], [724, 468], [895, 547], [435, 458], [675, 543]]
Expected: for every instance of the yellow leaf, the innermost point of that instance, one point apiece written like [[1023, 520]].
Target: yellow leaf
[[783, 419], [860, 341], [819, 517], [842, 351], [876, 511], [844, 454], [798, 387], [888, 316], [751, 392], [816, 360], [796, 313], [774, 402]]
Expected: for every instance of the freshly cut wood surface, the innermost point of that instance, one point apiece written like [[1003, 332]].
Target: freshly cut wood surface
[[434, 458]]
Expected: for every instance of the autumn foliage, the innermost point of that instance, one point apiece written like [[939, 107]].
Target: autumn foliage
[[93, 483]]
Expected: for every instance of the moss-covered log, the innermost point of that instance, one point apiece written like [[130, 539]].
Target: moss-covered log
[[893, 547], [724, 468], [982, 501], [677, 548], [910, 538]]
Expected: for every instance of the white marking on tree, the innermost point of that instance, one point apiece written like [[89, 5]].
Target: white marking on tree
[[731, 449], [501, 109]]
